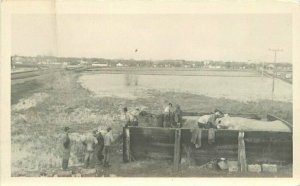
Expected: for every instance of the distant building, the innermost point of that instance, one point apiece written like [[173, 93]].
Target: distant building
[[288, 76], [206, 63], [72, 66], [42, 63], [82, 62], [99, 65], [214, 67], [119, 65], [270, 67]]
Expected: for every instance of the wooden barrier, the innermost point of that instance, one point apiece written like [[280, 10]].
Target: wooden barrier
[[175, 144], [269, 147], [153, 143]]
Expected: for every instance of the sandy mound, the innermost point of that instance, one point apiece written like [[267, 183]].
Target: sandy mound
[[32, 101]]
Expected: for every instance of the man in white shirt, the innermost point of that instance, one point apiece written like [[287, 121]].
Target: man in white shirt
[[169, 114], [131, 119]]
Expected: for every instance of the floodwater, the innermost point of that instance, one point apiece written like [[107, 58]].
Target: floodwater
[[237, 88]]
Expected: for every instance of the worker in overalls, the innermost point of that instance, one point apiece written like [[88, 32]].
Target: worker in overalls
[[89, 142], [177, 117]]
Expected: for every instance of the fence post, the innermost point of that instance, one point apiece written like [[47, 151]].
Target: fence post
[[126, 144], [242, 153], [177, 149]]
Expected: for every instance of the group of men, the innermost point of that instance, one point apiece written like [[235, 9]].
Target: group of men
[[97, 147], [172, 117]]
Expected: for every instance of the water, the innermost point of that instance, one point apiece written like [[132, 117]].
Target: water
[[236, 88]]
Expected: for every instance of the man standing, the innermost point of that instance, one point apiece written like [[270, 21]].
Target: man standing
[[89, 142], [128, 117], [169, 116], [136, 114], [66, 148], [178, 117], [108, 139], [99, 146]]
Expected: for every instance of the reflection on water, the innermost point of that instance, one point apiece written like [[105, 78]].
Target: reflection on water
[[239, 88], [131, 80]]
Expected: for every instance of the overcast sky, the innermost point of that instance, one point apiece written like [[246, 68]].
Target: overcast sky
[[188, 36]]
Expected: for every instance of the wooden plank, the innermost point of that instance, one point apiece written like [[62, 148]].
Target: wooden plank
[[269, 137], [242, 152], [151, 142], [153, 148], [139, 155], [177, 151], [268, 152], [126, 145]]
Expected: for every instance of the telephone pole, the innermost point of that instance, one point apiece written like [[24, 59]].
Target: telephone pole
[[274, 70]]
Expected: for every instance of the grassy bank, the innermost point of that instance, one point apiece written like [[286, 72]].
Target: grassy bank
[[36, 131]]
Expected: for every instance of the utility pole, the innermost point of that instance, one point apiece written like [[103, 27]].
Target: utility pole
[[262, 68], [274, 70]]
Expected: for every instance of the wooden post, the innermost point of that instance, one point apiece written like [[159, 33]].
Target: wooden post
[[177, 149], [242, 153], [126, 144]]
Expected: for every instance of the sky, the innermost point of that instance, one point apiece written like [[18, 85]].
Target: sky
[[227, 37]]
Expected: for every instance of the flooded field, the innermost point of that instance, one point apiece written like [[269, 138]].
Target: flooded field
[[243, 88]]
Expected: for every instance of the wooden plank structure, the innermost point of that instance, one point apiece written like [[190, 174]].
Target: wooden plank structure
[[126, 145], [177, 150], [242, 160], [173, 144]]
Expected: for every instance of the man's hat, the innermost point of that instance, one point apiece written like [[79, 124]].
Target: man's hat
[[95, 131], [66, 129], [125, 109]]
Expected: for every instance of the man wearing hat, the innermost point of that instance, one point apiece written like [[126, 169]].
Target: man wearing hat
[[136, 114], [212, 119], [99, 146], [66, 148]]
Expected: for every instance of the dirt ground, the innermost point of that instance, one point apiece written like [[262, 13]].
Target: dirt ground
[[36, 129]]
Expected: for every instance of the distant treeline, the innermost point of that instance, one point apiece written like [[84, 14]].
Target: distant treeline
[[51, 60]]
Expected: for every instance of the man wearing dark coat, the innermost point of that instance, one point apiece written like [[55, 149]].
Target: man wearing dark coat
[[66, 148]]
